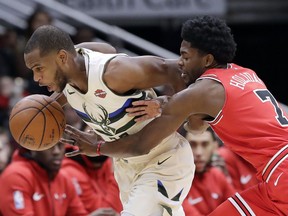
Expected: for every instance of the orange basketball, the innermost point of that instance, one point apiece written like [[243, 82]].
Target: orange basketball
[[37, 122]]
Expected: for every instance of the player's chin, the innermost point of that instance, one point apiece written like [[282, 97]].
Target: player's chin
[[55, 165], [200, 166]]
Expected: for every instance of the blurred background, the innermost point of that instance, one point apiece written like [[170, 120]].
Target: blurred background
[[142, 27]]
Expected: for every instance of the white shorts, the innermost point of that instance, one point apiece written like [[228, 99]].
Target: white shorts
[[157, 183]]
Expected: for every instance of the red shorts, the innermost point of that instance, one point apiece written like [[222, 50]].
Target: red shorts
[[270, 197]]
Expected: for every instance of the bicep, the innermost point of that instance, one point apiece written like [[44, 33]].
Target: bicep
[[126, 73]]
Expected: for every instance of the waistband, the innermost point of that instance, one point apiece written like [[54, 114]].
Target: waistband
[[274, 162]]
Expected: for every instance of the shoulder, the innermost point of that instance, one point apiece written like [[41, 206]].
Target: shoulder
[[207, 95], [22, 168], [207, 87], [18, 174]]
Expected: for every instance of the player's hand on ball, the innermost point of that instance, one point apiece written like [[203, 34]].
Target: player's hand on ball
[[86, 141]]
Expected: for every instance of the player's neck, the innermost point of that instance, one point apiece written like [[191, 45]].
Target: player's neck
[[79, 79], [215, 64], [222, 66]]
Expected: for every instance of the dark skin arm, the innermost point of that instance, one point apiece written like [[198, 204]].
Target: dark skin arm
[[195, 124], [130, 73], [142, 73], [206, 97]]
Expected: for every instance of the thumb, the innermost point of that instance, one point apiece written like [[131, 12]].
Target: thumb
[[73, 153]]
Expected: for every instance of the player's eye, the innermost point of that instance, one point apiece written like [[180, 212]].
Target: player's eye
[[37, 69], [184, 58]]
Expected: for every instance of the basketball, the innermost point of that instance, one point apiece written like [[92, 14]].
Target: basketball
[[37, 122]]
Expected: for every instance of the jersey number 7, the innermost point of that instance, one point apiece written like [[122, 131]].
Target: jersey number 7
[[265, 96]]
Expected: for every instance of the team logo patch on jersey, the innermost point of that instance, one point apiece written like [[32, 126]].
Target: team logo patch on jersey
[[77, 186], [100, 93], [18, 200]]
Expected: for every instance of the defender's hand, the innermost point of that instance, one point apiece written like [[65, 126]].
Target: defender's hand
[[86, 141], [147, 109]]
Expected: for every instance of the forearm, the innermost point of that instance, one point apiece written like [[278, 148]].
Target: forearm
[[139, 143], [124, 147], [149, 137]]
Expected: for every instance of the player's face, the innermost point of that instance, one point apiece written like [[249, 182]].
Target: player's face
[[46, 70], [191, 62], [50, 159], [203, 147]]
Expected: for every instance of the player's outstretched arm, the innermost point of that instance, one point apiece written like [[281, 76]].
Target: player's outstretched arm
[[206, 97], [136, 144]]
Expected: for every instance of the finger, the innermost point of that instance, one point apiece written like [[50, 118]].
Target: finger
[[140, 102], [73, 153], [72, 129], [145, 103], [135, 109], [71, 134], [67, 141], [139, 113]]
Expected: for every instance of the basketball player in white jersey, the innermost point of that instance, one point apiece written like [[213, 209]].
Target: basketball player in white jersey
[[100, 87]]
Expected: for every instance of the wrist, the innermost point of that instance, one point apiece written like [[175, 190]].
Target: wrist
[[98, 149]]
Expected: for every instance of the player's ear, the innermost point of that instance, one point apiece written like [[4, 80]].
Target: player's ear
[[62, 56], [209, 59]]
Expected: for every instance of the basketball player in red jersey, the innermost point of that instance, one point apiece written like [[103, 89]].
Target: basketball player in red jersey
[[237, 105]]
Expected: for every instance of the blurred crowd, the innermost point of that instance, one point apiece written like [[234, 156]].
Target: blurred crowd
[[47, 183]]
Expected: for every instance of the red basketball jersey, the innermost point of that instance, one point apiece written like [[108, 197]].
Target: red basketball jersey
[[251, 123]]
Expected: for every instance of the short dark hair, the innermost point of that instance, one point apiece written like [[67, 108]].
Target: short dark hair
[[48, 38], [210, 35]]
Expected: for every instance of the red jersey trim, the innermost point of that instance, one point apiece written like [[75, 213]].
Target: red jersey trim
[[274, 162], [241, 205]]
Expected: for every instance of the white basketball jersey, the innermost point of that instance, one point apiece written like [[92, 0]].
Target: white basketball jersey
[[100, 108]]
